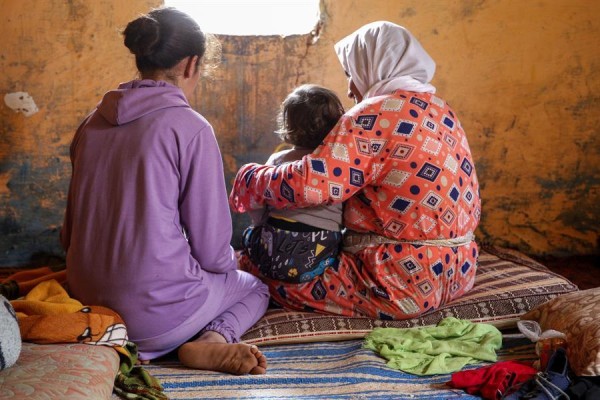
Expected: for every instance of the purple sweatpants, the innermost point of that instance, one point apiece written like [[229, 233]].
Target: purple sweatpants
[[236, 301]]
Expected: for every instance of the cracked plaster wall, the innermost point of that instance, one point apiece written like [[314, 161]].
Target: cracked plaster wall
[[521, 75]]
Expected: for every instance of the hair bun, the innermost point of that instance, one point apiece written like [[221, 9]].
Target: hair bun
[[142, 35]]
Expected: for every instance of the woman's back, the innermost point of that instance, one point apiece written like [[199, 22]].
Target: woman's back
[[127, 239], [147, 229], [420, 181]]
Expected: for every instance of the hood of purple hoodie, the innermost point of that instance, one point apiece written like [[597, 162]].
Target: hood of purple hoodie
[[132, 100]]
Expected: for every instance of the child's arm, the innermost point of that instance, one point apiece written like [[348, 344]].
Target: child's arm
[[287, 156]]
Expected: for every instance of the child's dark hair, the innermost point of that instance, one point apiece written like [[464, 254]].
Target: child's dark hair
[[165, 36], [308, 114]]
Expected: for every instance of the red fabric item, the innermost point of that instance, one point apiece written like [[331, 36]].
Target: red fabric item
[[27, 279], [491, 382]]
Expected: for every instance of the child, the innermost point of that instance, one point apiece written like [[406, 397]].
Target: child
[[295, 245]]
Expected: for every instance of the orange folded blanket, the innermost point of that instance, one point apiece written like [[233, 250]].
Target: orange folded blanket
[[47, 314]]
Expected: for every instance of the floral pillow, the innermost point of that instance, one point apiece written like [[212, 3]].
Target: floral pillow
[[577, 315], [10, 336]]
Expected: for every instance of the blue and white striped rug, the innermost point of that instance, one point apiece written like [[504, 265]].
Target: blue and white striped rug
[[327, 370]]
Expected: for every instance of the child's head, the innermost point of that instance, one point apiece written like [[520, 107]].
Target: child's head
[[307, 115]]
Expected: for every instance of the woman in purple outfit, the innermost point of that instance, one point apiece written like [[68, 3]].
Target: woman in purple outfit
[[147, 227]]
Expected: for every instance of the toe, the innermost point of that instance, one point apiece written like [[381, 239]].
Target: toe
[[258, 370]]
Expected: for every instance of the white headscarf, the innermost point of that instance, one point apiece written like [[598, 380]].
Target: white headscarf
[[382, 57]]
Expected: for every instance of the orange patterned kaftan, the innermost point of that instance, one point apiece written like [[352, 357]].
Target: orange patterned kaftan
[[403, 167]]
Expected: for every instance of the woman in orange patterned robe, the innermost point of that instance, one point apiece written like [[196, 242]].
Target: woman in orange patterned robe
[[401, 163]]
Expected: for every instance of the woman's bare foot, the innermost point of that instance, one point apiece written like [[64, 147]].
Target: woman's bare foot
[[234, 358], [212, 353]]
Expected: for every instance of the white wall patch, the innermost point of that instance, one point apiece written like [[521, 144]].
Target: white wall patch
[[21, 102]]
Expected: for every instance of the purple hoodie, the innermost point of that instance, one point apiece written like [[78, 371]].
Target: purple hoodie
[[147, 212]]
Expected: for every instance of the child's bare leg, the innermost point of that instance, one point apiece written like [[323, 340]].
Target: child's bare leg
[[211, 352]]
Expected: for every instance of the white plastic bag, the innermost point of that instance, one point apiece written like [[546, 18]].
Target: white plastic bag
[[546, 342]]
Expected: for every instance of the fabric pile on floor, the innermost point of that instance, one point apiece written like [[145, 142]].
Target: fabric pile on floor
[[48, 315]]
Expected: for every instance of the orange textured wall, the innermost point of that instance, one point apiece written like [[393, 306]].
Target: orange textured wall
[[520, 74]]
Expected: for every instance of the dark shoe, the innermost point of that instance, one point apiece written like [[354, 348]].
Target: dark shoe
[[585, 388], [548, 385]]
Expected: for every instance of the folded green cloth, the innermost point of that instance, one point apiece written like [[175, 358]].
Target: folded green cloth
[[133, 381], [441, 349]]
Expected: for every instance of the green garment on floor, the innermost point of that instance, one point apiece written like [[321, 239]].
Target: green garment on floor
[[440, 349], [133, 382]]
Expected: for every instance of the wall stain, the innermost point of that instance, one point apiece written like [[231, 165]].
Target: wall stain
[[408, 12], [34, 209], [512, 124], [582, 181], [585, 105], [471, 7], [489, 131], [582, 217]]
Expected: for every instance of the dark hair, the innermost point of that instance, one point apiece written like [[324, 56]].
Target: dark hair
[[307, 115], [163, 37]]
